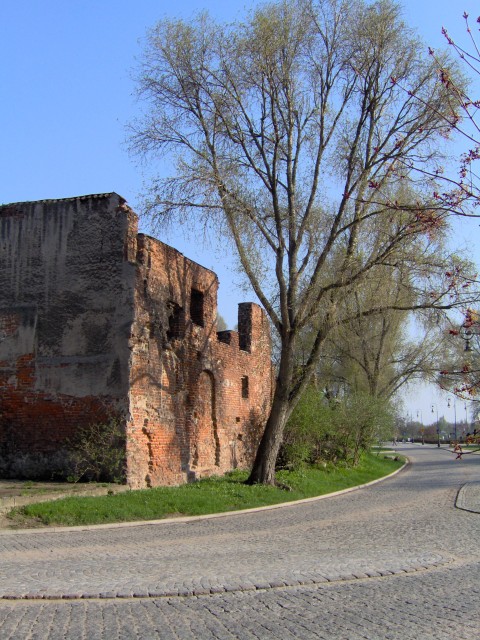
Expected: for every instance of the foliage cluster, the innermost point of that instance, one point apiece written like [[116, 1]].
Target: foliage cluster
[[322, 432], [463, 192], [97, 453], [461, 370]]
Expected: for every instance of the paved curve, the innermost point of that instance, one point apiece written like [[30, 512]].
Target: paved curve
[[395, 560]]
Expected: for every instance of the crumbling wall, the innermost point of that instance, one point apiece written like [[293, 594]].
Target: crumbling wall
[[97, 321], [66, 306], [198, 399]]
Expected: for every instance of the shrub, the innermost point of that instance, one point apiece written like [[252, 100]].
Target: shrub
[[98, 453], [321, 431]]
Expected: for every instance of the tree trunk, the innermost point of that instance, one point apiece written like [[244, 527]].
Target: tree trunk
[[263, 470]]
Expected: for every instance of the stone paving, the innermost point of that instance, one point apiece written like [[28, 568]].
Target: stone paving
[[394, 560], [468, 497]]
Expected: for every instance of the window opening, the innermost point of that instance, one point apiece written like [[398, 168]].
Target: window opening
[[175, 321], [245, 387], [196, 307]]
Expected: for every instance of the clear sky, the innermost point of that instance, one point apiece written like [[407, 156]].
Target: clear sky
[[66, 69]]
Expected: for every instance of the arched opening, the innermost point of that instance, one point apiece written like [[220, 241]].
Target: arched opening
[[205, 443]]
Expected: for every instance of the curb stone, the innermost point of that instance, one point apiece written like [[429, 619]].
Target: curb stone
[[468, 497], [211, 516]]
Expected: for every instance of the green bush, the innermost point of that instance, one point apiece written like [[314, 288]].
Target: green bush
[[359, 421], [322, 432], [98, 453]]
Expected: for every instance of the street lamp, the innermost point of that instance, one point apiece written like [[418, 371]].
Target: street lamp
[[434, 406], [467, 335], [454, 413], [422, 430], [470, 328]]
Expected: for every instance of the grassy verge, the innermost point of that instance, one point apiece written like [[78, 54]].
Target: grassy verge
[[212, 495]]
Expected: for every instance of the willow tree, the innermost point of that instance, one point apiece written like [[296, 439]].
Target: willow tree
[[289, 132], [377, 354]]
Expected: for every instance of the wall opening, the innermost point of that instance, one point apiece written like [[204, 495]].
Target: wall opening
[[196, 307], [245, 390], [176, 321], [205, 443]]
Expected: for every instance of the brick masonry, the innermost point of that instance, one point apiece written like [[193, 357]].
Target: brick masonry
[[97, 320]]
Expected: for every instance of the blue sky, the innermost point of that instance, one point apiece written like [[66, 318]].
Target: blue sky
[[66, 84]]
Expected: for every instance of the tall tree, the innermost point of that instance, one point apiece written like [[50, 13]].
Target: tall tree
[[290, 132]]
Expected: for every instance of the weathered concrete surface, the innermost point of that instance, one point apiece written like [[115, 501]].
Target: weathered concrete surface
[[66, 307], [396, 560]]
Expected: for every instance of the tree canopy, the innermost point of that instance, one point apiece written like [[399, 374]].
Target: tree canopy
[[299, 134]]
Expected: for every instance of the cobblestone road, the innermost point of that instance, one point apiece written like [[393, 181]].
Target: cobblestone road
[[395, 560]]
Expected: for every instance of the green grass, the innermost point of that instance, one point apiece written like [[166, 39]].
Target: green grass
[[212, 495]]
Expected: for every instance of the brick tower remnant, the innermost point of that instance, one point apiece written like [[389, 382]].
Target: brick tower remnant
[[98, 321]]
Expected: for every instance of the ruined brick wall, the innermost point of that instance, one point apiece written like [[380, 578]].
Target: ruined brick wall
[[66, 307], [95, 321], [198, 399]]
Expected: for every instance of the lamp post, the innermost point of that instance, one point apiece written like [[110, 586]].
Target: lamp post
[[422, 430], [454, 414], [470, 328], [435, 407], [467, 335]]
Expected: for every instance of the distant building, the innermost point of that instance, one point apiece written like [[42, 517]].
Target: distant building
[[99, 321]]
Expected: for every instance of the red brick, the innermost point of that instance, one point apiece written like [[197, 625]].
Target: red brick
[[117, 323]]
